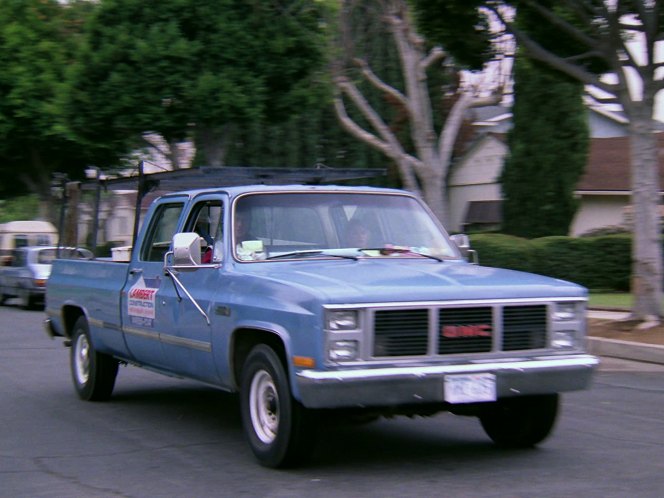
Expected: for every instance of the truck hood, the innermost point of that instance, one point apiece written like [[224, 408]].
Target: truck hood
[[398, 280]]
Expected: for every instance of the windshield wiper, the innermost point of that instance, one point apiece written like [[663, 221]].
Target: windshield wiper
[[311, 252], [386, 251]]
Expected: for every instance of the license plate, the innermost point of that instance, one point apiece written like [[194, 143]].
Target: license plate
[[470, 388]]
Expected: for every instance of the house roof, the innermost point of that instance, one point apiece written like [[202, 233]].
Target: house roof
[[495, 113], [608, 166]]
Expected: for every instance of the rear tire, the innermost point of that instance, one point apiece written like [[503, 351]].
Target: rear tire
[[93, 373], [27, 300], [279, 430], [521, 422]]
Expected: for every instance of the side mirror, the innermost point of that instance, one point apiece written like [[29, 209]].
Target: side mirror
[[462, 241], [186, 249]]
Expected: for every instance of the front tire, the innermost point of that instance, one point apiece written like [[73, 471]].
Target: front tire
[[93, 373], [279, 430], [521, 422]]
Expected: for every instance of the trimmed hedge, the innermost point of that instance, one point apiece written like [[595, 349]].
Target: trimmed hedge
[[599, 263]]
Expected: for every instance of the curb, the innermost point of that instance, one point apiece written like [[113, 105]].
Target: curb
[[615, 348], [635, 351]]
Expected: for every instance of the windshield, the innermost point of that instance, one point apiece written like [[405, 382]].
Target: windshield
[[331, 224]]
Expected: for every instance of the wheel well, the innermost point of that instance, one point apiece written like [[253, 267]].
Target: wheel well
[[243, 342], [69, 316]]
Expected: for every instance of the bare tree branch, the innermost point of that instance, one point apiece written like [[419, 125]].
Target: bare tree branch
[[349, 88], [371, 77], [586, 55], [426, 168], [436, 54], [583, 10], [615, 45], [455, 118], [356, 130], [536, 51], [561, 24], [603, 100], [389, 146]]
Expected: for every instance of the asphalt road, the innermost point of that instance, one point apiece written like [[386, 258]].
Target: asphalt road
[[163, 437]]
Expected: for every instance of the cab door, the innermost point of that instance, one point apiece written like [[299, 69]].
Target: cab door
[[145, 314], [188, 346]]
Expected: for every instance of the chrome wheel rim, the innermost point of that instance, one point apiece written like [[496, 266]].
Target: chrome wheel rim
[[264, 407], [82, 359]]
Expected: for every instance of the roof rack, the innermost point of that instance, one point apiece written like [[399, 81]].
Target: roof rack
[[207, 177], [204, 177]]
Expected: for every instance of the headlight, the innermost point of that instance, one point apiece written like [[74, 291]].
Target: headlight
[[343, 350], [564, 339], [566, 311], [342, 320]]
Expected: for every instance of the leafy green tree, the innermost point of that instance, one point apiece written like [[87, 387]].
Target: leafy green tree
[[548, 144], [24, 207], [37, 41], [547, 152], [596, 36], [196, 68], [312, 135]]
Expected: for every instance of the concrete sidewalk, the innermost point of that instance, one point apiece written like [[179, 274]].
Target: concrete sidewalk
[[626, 350]]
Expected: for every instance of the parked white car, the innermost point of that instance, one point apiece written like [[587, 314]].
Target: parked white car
[[28, 269]]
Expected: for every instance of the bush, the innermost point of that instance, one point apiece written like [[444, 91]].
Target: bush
[[608, 230], [612, 261], [560, 257], [503, 251], [599, 263]]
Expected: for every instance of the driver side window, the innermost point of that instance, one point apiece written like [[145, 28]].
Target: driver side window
[[206, 219]]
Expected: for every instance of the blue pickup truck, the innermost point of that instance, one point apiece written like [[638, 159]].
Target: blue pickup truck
[[323, 301]]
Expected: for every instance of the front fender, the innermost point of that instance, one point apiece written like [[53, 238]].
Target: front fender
[[261, 332]]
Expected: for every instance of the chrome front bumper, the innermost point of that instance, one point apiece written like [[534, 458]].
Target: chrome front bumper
[[424, 384]]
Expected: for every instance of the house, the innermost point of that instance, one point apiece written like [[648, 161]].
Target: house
[[604, 189], [476, 179]]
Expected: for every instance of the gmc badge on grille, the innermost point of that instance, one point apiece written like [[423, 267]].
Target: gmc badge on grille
[[454, 331]]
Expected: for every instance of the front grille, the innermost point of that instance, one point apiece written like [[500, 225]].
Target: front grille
[[401, 332], [465, 330], [524, 327], [462, 330]]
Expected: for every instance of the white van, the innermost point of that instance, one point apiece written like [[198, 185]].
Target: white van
[[15, 234]]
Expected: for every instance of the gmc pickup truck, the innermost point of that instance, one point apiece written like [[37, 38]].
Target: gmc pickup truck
[[323, 301]]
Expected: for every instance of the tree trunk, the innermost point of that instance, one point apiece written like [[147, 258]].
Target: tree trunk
[[174, 154], [646, 245], [434, 191]]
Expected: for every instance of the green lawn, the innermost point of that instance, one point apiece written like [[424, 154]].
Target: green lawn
[[610, 300]]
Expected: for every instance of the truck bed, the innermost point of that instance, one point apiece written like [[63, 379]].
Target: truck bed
[[96, 285]]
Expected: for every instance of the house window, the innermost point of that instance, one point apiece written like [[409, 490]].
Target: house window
[[483, 216]]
